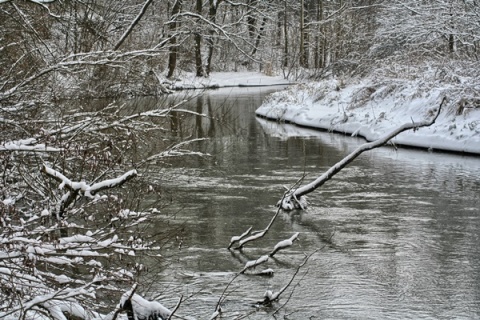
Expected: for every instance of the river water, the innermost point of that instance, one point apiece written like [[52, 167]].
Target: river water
[[397, 231]]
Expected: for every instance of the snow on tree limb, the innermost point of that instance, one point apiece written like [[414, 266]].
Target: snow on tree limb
[[236, 239], [88, 190], [284, 244], [27, 145], [76, 188], [140, 308], [254, 263], [286, 202], [52, 302], [34, 1]]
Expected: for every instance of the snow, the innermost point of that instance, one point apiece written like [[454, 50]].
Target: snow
[[9, 202], [62, 279], [144, 309], [26, 145], [253, 263], [75, 239], [267, 272], [370, 108], [235, 239], [88, 190], [285, 243], [84, 253], [271, 296], [110, 182], [227, 79]]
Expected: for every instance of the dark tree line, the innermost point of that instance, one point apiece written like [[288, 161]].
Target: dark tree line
[[203, 36]]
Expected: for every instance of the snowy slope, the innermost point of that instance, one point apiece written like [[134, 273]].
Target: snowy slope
[[371, 108]]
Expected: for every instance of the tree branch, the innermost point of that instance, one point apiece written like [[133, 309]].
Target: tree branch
[[298, 193], [133, 24]]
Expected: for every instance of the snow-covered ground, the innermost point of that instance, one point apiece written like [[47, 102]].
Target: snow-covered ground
[[371, 108], [226, 79]]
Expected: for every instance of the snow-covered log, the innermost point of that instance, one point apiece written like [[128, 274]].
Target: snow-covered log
[[292, 199]]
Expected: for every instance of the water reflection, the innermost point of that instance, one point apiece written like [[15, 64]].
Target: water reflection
[[405, 222]]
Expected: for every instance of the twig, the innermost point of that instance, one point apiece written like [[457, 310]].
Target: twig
[[236, 239], [270, 297], [120, 307], [176, 308]]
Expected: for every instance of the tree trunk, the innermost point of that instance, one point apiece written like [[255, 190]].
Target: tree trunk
[[259, 36], [212, 15], [251, 20], [285, 34], [302, 33], [319, 33], [172, 56], [198, 43]]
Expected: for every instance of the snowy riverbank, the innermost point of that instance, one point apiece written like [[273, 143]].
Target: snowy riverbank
[[371, 108], [225, 80]]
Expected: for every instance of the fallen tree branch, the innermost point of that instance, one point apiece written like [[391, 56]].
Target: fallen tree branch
[[236, 239], [270, 296], [286, 202]]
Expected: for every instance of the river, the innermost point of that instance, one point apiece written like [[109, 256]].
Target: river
[[397, 231]]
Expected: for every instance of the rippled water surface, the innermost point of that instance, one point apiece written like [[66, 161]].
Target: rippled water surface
[[398, 230]]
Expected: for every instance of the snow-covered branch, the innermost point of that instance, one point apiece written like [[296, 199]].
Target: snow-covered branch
[[27, 145], [140, 308], [236, 239], [88, 190], [293, 196], [284, 244], [254, 263]]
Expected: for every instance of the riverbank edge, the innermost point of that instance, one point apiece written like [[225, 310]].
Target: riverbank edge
[[389, 144], [219, 80], [330, 106]]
